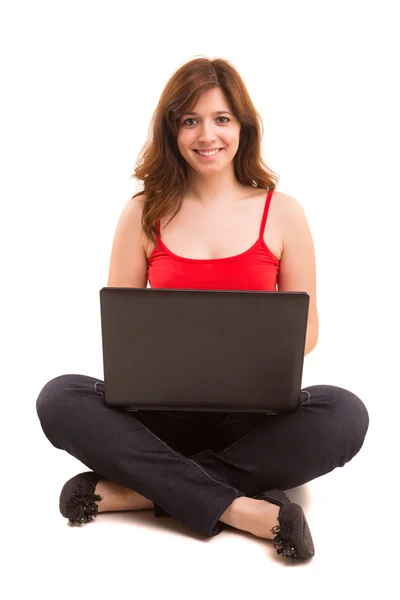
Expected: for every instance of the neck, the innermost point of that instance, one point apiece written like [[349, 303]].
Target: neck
[[212, 190]]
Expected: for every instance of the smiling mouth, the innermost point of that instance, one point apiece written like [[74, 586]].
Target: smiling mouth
[[208, 152]]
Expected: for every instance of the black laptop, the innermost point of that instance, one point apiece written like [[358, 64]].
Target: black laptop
[[203, 350]]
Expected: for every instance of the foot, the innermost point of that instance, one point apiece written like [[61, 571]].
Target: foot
[[115, 497], [255, 516]]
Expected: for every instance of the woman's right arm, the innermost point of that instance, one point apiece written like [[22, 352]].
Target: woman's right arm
[[128, 262]]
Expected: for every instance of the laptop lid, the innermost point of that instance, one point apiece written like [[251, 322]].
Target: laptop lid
[[213, 350]]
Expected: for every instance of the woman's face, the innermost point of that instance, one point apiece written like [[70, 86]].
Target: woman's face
[[206, 130]]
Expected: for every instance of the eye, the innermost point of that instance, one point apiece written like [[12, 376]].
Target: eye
[[185, 122]]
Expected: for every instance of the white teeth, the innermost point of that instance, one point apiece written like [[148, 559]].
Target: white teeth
[[208, 153]]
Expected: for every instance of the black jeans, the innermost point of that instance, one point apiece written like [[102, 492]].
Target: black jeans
[[192, 465]]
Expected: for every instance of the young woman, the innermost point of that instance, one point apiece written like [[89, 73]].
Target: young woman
[[228, 228]]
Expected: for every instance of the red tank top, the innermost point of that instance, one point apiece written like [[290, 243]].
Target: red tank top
[[255, 269]]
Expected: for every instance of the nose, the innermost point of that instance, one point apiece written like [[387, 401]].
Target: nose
[[207, 133]]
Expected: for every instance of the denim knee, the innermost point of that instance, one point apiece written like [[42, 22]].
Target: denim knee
[[49, 401], [350, 418]]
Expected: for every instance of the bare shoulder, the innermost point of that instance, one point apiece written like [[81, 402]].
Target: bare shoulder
[[135, 205], [287, 206], [289, 213]]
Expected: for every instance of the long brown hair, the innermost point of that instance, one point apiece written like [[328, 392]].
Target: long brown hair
[[160, 165]]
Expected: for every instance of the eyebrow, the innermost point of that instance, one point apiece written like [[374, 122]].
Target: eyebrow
[[218, 112]]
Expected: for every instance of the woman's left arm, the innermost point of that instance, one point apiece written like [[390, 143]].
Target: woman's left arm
[[297, 270]]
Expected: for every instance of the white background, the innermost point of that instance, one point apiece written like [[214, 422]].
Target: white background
[[79, 83]]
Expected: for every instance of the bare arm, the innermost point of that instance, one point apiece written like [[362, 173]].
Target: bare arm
[[297, 270], [128, 262]]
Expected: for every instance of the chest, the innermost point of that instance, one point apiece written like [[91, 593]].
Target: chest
[[196, 233]]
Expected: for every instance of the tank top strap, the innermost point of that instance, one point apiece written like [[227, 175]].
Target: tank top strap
[[265, 213]]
